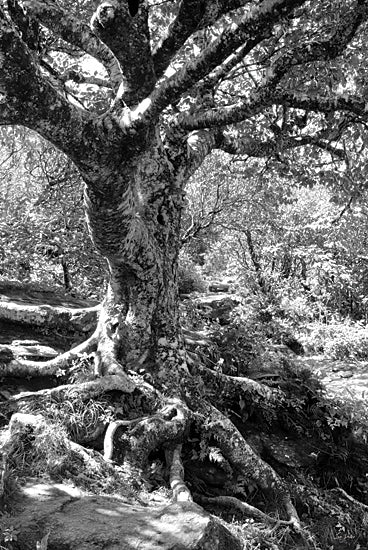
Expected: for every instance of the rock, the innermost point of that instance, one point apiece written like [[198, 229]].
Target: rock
[[217, 307], [77, 521], [20, 349], [218, 287], [346, 374]]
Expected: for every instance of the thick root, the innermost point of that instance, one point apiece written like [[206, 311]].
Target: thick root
[[67, 318], [237, 505], [23, 368], [85, 390], [242, 457], [351, 499], [179, 489], [110, 434], [159, 430], [230, 386]]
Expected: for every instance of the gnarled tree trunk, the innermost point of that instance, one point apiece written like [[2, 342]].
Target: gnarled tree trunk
[[134, 215]]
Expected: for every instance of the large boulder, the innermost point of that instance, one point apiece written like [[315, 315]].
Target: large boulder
[[75, 521]]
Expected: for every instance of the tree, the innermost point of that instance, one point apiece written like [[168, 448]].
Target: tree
[[43, 235], [252, 78]]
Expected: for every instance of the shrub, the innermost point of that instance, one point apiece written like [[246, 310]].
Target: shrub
[[344, 340], [189, 276]]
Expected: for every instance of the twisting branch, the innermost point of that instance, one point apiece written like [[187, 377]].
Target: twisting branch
[[206, 219], [254, 26], [348, 103], [253, 147], [27, 97], [266, 92], [28, 26], [70, 29], [127, 38], [193, 15], [225, 69]]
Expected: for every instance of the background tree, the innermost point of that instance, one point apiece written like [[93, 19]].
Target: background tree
[[176, 81], [43, 235]]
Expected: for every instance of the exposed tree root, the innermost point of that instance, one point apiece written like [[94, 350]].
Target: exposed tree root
[[236, 386], [68, 318], [242, 457], [247, 509], [180, 491], [164, 428], [85, 390], [23, 368], [110, 433], [351, 499]]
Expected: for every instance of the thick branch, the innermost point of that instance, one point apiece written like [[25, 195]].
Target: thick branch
[[30, 98], [193, 15], [254, 26], [127, 38], [345, 102], [264, 95], [252, 147], [70, 29]]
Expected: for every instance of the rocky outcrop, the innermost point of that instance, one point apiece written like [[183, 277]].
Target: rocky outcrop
[[75, 521]]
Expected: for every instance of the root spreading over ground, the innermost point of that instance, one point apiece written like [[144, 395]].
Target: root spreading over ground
[[271, 458]]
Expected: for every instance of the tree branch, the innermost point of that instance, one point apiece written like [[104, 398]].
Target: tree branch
[[70, 29], [253, 147], [253, 27], [128, 38], [29, 98], [345, 102], [193, 15], [265, 94]]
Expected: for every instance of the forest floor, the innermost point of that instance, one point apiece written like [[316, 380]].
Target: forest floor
[[343, 379]]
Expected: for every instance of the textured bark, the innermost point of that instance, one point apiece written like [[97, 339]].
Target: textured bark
[[134, 221]]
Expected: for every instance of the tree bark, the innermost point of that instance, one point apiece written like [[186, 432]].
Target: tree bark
[[134, 216]]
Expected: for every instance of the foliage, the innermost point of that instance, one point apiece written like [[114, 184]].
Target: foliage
[[338, 340], [190, 278], [43, 237]]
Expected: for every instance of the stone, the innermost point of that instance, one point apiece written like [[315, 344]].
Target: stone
[[217, 306], [218, 287], [77, 521]]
